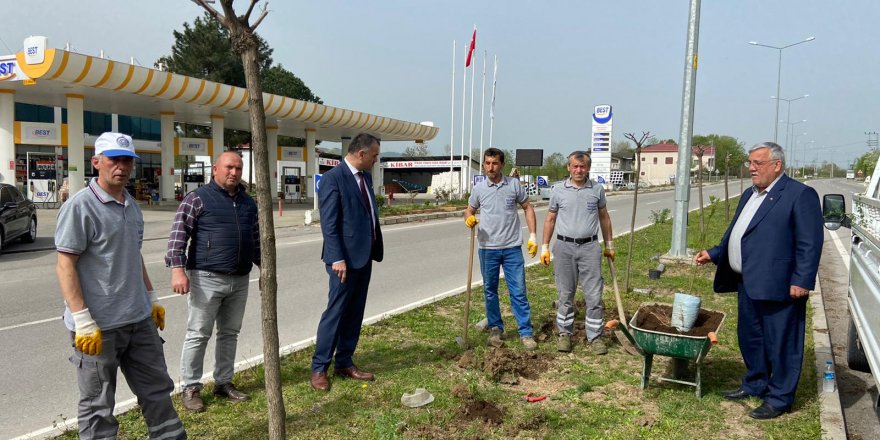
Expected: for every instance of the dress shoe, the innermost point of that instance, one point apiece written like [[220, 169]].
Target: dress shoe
[[737, 394], [319, 381], [192, 401], [229, 391], [766, 412], [354, 372]]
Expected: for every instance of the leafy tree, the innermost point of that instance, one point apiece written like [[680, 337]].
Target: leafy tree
[[416, 150], [203, 50], [623, 147], [555, 167], [866, 162]]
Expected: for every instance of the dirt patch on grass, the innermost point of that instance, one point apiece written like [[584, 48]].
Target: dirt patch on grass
[[481, 410], [506, 366]]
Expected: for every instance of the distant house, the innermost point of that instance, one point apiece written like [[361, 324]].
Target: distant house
[[623, 162], [659, 163]]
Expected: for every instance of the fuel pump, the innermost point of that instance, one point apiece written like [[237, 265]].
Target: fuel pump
[[193, 176], [42, 177], [292, 183]]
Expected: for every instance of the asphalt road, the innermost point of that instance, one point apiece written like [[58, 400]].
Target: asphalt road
[[422, 260], [857, 390]]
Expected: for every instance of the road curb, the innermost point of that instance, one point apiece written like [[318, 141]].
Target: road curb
[[830, 410]]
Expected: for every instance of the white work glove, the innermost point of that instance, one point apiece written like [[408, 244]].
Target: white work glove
[[158, 311], [88, 335], [545, 254], [609, 250], [532, 245]]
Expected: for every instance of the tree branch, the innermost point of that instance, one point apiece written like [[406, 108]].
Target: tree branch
[[247, 15], [211, 10], [262, 16]]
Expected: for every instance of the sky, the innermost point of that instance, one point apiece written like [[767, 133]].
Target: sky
[[556, 61]]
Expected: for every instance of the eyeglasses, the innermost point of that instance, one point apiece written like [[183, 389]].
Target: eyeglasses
[[758, 163]]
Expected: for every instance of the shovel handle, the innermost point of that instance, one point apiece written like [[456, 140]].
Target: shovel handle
[[470, 273], [616, 292]]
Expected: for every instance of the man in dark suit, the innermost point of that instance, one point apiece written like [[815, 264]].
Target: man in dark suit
[[352, 241], [770, 256]]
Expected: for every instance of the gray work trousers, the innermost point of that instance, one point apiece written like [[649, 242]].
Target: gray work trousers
[[136, 350], [579, 262]]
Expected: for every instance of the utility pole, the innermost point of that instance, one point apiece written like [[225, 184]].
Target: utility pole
[[678, 250]]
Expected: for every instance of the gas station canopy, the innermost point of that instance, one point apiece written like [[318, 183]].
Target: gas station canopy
[[114, 87]]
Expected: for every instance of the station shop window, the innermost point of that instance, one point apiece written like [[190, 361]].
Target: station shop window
[[34, 113], [140, 128], [96, 123], [668, 161]]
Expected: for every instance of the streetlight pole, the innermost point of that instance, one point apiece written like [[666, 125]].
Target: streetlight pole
[[779, 78], [790, 129], [794, 148], [788, 116]]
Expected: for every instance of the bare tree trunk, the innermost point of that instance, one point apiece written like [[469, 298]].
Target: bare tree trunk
[[700, 190], [726, 191], [632, 223], [244, 42], [269, 293]]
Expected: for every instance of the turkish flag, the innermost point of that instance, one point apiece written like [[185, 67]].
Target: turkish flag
[[473, 46]]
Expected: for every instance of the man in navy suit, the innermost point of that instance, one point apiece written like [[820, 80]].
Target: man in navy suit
[[352, 241], [770, 256]]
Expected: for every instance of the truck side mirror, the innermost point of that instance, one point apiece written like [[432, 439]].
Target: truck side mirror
[[834, 212]]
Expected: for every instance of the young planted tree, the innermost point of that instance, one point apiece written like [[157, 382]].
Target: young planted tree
[[632, 224], [245, 43]]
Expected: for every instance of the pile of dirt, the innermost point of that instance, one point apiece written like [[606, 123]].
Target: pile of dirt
[[656, 317], [508, 366]]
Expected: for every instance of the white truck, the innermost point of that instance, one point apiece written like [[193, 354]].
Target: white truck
[[863, 297]]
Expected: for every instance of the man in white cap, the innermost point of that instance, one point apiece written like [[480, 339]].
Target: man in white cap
[[111, 309]]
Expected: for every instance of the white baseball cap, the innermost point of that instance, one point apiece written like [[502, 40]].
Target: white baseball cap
[[115, 145]]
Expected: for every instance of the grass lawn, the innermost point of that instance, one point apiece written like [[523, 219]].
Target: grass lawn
[[479, 394]]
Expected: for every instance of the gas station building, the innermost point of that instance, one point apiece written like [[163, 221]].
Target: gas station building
[[54, 104]]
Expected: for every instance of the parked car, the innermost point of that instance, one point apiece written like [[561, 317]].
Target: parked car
[[18, 217]]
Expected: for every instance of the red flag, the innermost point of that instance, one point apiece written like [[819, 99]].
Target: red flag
[[473, 46]]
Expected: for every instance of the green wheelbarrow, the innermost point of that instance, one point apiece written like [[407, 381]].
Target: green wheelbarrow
[[682, 348]]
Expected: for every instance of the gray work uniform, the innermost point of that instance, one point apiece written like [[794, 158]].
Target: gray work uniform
[[499, 220], [578, 255], [107, 237]]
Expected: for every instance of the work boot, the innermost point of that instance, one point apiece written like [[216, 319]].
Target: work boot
[[495, 338], [563, 343], [192, 400], [529, 343], [598, 346]]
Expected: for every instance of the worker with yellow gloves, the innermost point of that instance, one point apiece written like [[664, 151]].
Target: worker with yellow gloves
[[577, 210], [500, 238], [110, 307]]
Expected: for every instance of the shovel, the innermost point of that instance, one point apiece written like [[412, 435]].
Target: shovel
[[463, 340], [624, 341]]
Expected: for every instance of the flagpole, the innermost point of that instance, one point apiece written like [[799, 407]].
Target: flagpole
[[471, 131], [482, 107], [492, 106], [452, 124], [463, 108]]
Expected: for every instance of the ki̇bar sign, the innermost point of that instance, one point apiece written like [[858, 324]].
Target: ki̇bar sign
[[600, 145]]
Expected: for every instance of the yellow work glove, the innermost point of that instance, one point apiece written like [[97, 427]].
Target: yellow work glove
[[609, 250], [545, 254], [88, 335], [471, 222], [532, 245], [158, 311]]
